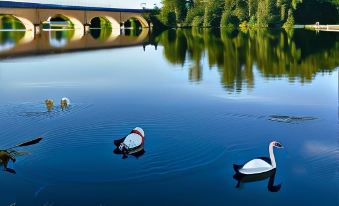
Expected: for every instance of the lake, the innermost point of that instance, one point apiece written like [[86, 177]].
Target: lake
[[205, 99]]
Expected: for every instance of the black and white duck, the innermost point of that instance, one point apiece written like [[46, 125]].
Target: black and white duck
[[132, 144]]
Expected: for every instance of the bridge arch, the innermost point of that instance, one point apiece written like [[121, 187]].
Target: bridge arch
[[138, 17], [27, 25], [133, 23], [76, 24], [108, 21], [104, 28]]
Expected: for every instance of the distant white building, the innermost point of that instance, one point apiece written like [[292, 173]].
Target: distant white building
[[128, 4]]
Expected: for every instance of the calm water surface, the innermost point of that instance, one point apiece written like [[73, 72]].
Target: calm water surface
[[203, 98]]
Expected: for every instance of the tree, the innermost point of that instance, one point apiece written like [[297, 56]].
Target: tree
[[173, 12], [290, 21], [252, 7], [196, 9], [213, 12], [241, 10], [262, 14], [180, 10], [229, 21]]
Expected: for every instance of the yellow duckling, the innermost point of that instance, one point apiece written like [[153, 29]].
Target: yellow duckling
[[49, 104]]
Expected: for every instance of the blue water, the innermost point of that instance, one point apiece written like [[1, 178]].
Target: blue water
[[195, 131]]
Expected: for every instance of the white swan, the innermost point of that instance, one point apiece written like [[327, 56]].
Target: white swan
[[260, 164]]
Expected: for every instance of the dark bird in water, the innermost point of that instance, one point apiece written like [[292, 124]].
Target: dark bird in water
[[5, 157]]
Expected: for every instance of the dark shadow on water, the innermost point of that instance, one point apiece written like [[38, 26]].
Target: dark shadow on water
[[243, 179], [6, 169], [290, 119], [124, 156], [12, 171]]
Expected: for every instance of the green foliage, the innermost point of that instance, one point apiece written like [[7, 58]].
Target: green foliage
[[229, 21], [213, 12], [173, 12], [168, 17], [258, 13], [198, 21], [241, 10], [252, 22], [180, 10], [262, 14], [244, 26], [197, 11], [290, 21]]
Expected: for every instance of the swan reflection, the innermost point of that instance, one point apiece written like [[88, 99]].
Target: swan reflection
[[242, 179]]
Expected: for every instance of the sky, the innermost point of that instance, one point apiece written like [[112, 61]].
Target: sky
[[135, 4]]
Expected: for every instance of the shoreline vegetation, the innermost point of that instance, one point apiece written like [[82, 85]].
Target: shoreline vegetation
[[238, 55], [245, 14]]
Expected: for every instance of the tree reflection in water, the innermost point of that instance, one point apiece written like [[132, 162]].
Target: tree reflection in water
[[8, 39], [59, 39], [298, 55]]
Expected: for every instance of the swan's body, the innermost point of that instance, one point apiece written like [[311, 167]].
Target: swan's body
[[256, 166], [261, 164]]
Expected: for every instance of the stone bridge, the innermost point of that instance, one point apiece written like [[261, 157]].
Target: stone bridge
[[32, 15]]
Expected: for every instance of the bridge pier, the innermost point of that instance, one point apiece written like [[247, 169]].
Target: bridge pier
[[37, 29], [87, 28]]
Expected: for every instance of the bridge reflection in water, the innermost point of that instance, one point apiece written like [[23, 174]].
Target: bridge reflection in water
[[22, 43]]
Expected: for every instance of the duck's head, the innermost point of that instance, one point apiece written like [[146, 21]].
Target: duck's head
[[277, 144], [141, 131]]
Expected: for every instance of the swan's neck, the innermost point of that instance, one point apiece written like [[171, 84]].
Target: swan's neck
[[274, 164]]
